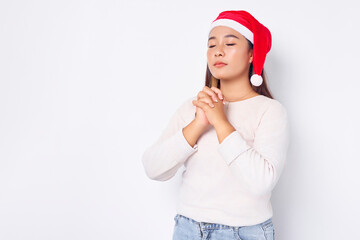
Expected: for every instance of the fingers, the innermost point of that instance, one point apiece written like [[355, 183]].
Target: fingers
[[215, 93], [205, 98], [218, 91], [200, 104], [211, 93]]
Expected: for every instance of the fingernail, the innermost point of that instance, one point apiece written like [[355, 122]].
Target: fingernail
[[216, 100], [212, 105], [221, 97]]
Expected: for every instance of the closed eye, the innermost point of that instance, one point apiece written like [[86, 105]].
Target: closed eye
[[230, 44]]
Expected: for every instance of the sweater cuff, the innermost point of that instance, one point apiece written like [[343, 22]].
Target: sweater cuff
[[183, 147], [232, 146]]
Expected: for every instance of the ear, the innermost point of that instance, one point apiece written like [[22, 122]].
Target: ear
[[251, 55]]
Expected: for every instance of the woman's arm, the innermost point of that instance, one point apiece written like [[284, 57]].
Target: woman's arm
[[192, 132], [175, 145], [259, 166]]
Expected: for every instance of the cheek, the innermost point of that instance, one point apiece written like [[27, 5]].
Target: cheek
[[238, 57], [209, 58], [209, 53]]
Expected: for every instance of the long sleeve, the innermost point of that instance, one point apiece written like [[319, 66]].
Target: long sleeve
[[163, 159], [259, 166]]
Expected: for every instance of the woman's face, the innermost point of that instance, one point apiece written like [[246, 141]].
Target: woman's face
[[228, 46]]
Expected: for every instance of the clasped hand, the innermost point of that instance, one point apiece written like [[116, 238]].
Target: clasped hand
[[210, 107]]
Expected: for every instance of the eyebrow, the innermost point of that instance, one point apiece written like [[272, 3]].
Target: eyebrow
[[229, 35]]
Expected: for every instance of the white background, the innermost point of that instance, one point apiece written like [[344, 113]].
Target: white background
[[86, 86]]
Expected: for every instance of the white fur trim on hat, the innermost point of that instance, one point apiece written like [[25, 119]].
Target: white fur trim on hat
[[236, 26]]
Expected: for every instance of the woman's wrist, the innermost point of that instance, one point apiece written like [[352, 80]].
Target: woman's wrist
[[193, 131], [223, 129], [199, 125]]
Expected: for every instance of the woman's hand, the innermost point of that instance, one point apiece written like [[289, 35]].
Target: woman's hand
[[209, 106]]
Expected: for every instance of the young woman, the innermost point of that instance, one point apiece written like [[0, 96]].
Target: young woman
[[232, 139]]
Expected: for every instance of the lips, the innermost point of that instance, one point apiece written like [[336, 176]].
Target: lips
[[219, 63]]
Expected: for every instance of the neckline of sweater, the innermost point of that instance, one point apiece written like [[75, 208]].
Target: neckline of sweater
[[245, 100]]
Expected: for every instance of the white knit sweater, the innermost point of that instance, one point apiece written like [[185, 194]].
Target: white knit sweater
[[228, 183]]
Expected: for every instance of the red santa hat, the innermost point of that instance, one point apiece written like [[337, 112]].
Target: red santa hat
[[254, 31]]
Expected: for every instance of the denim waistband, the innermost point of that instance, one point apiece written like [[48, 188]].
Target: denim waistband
[[207, 225]]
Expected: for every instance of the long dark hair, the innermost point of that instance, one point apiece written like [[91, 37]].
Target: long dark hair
[[263, 89]]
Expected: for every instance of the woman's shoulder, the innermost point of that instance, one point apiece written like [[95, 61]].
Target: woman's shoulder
[[273, 106]]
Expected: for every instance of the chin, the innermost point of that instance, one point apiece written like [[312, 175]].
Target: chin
[[221, 75], [217, 74]]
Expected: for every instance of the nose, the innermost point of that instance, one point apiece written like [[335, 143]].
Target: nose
[[219, 52]]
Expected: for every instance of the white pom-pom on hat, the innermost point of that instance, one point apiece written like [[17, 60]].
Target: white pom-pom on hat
[[256, 80]]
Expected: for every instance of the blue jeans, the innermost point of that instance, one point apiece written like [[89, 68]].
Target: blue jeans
[[188, 229]]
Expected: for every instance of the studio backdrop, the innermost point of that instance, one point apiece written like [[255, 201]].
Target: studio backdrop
[[87, 86]]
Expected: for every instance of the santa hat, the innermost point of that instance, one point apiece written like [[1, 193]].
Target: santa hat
[[254, 31]]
